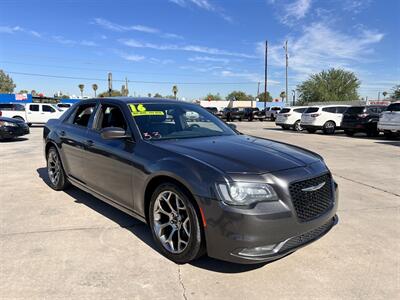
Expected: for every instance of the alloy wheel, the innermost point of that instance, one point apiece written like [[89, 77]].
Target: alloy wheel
[[171, 222], [53, 167]]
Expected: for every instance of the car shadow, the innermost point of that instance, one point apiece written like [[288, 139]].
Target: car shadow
[[142, 231], [14, 140], [391, 143]]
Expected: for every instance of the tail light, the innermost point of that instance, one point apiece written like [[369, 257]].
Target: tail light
[[314, 115], [1, 113]]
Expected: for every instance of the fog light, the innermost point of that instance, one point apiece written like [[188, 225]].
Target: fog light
[[258, 251]]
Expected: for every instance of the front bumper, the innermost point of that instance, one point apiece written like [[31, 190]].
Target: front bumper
[[389, 127], [231, 231], [9, 132]]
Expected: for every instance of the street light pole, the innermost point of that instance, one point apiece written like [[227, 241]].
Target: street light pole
[[265, 75], [287, 64], [294, 96]]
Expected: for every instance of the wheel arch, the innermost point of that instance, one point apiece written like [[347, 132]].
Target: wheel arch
[[18, 118]]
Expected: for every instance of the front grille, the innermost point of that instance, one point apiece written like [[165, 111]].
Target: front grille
[[311, 204], [306, 237]]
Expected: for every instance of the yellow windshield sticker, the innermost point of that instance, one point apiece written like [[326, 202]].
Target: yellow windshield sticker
[[140, 110]]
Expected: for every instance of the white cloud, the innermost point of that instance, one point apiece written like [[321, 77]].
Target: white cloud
[[204, 4], [209, 59], [133, 57], [64, 41], [16, 29], [355, 6], [255, 77], [190, 48], [88, 43], [295, 11], [321, 47]]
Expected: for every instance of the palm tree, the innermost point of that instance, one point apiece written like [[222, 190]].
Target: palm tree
[[94, 87], [282, 95], [81, 87], [175, 90]]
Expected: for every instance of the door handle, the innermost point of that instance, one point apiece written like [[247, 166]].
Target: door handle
[[62, 132], [89, 143]]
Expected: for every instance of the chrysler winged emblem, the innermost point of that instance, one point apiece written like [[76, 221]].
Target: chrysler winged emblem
[[314, 188]]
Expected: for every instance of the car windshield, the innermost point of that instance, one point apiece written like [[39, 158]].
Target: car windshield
[[311, 110], [162, 121]]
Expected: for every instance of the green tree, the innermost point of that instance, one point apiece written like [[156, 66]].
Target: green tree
[[331, 85], [170, 97], [384, 94], [65, 97], [114, 93], [261, 97], [210, 96], [282, 95], [157, 95], [7, 85], [23, 92], [34, 93], [81, 87], [239, 96], [395, 92], [95, 87]]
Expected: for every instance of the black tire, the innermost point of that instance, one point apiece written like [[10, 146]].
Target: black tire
[[59, 182], [348, 132], [311, 130], [285, 127], [29, 124], [240, 119], [329, 127], [372, 133], [19, 118], [196, 241], [388, 134], [297, 126]]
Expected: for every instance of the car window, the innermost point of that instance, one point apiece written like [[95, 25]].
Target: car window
[[341, 109], [355, 110], [300, 110], [285, 110], [329, 109], [393, 107], [276, 108], [83, 114], [185, 121], [48, 108], [380, 109], [372, 110], [34, 107], [311, 110], [64, 105], [111, 116]]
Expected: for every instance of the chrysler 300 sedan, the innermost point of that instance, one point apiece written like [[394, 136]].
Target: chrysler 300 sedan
[[200, 185]]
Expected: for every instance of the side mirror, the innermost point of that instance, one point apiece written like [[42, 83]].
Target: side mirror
[[111, 133], [232, 126]]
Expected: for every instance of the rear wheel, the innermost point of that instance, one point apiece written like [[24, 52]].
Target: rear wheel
[[55, 171], [329, 127], [297, 126], [175, 224]]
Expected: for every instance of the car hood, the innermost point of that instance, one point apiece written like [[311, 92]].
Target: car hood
[[241, 154]]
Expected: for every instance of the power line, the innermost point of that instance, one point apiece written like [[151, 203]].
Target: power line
[[122, 80]]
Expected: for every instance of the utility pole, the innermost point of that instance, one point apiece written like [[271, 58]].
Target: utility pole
[[109, 84], [258, 90], [294, 96], [126, 87], [265, 75], [287, 64], [379, 96]]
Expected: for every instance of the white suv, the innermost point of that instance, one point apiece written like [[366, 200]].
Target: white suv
[[326, 118], [289, 117], [389, 121]]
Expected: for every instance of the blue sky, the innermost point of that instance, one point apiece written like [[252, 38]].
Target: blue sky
[[201, 45]]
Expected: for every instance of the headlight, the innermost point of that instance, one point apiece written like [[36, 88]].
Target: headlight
[[9, 124], [245, 193]]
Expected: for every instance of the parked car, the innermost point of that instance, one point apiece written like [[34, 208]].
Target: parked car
[[201, 187], [289, 117], [232, 114], [327, 118], [250, 112], [34, 113], [212, 110], [12, 107], [272, 112], [12, 128], [362, 119], [63, 106], [389, 121]]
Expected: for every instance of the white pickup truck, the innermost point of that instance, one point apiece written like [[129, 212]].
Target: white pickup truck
[[33, 113]]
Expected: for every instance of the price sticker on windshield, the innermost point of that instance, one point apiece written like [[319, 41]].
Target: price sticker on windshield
[[140, 110]]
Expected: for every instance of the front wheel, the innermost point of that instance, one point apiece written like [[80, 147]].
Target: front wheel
[[175, 224], [297, 126], [55, 171]]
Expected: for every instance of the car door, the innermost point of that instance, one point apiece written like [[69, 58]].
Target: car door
[[33, 113], [73, 137], [109, 169], [339, 114], [48, 112]]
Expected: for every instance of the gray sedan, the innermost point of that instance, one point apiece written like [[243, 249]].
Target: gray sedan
[[201, 186]]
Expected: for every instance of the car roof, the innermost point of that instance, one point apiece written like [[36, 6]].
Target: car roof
[[141, 100], [9, 120]]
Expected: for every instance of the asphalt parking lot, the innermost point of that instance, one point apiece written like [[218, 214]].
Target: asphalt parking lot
[[71, 245]]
